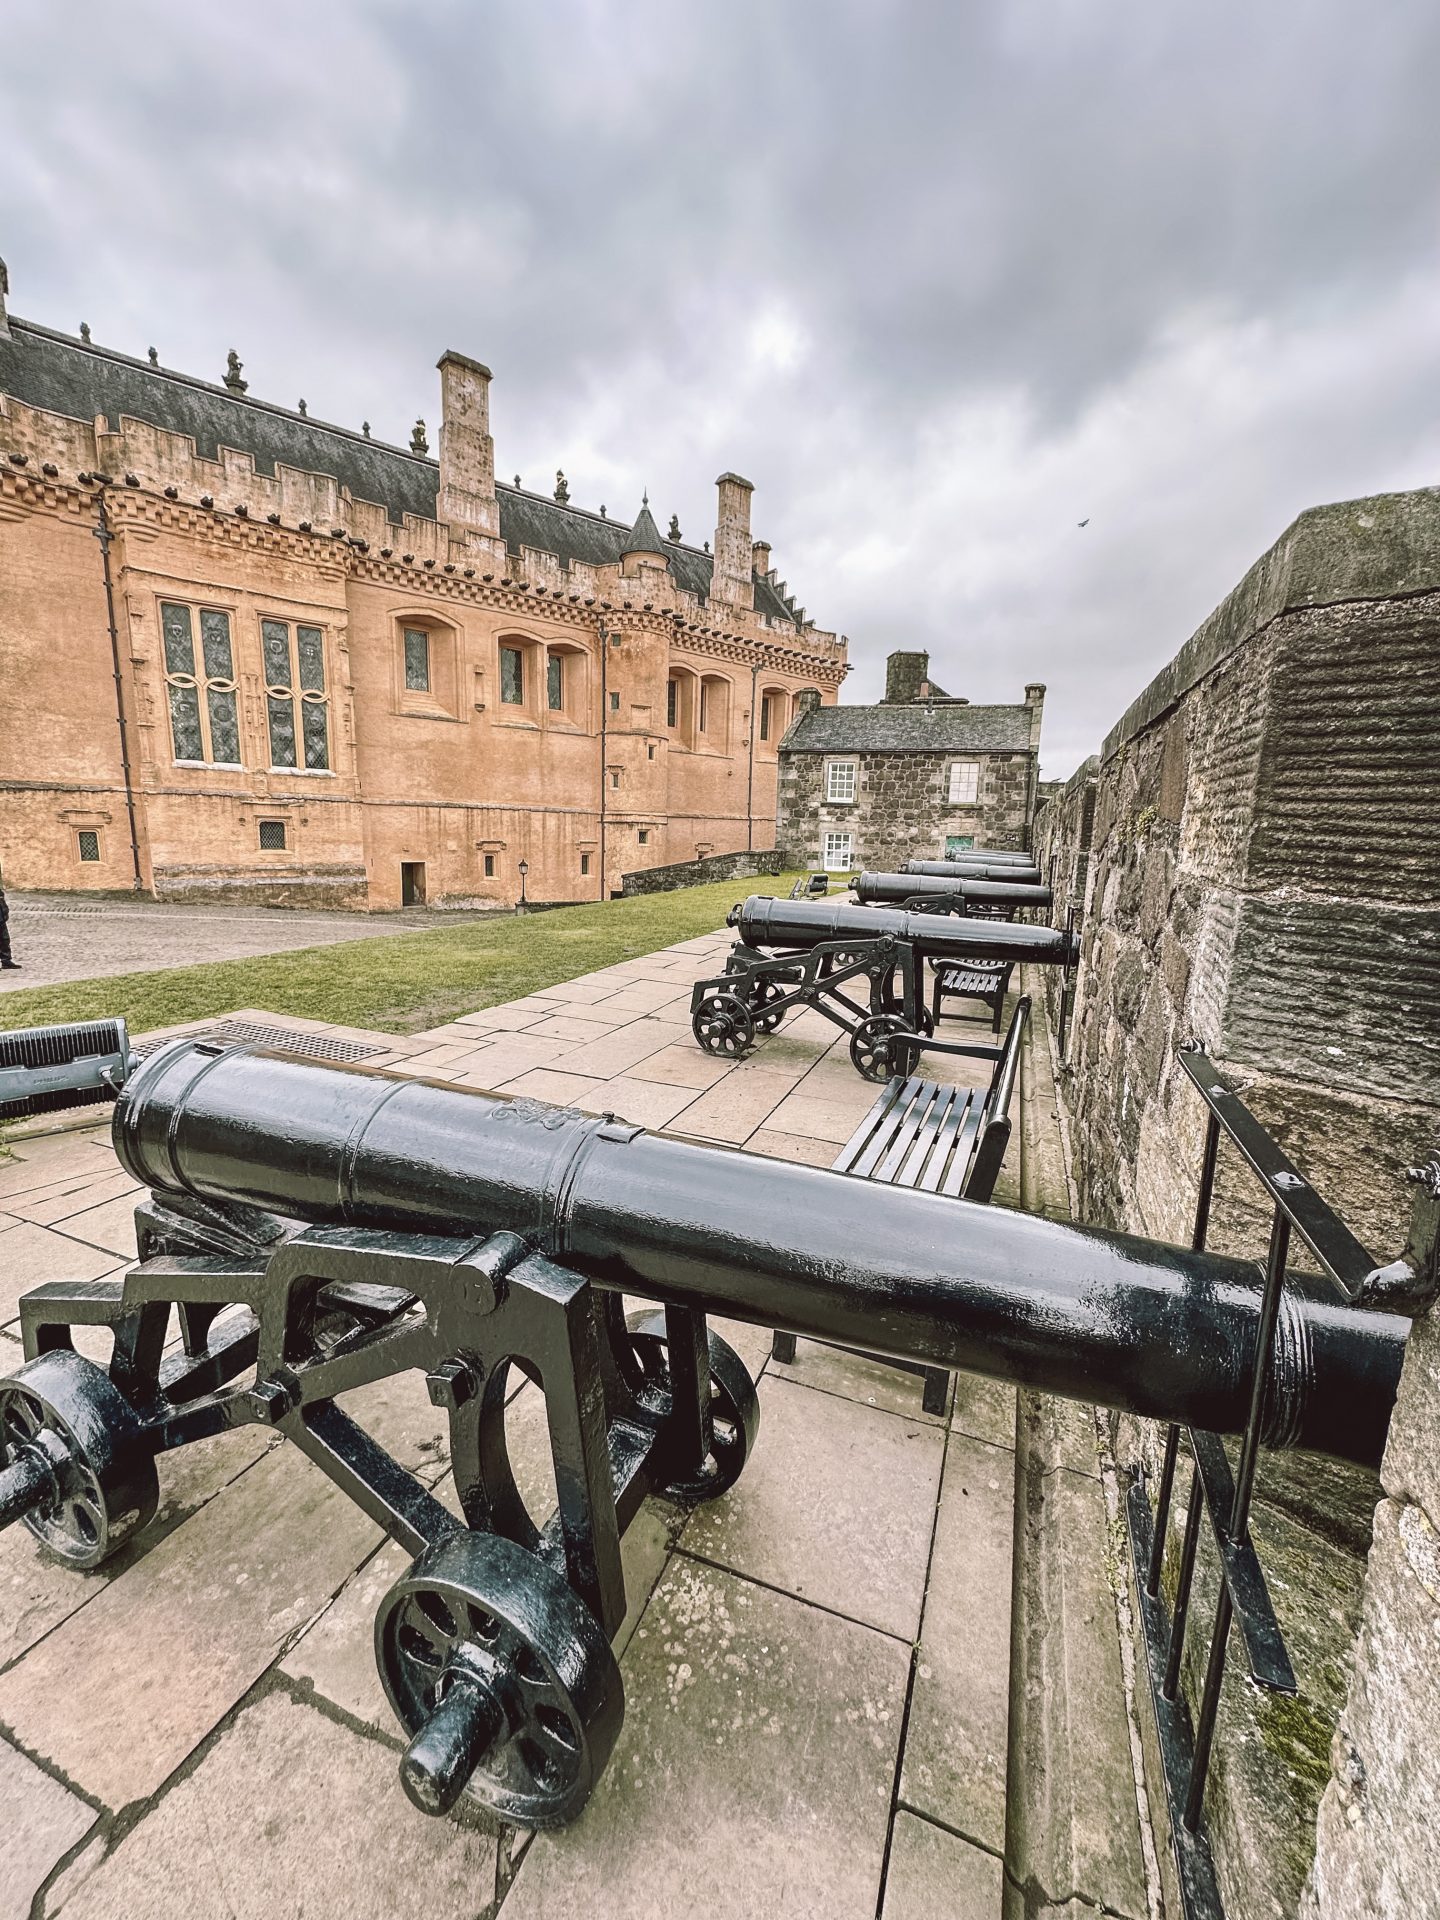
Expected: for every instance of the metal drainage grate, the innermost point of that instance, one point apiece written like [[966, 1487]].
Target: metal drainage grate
[[314, 1046]]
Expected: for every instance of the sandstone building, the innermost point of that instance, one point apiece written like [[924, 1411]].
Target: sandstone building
[[920, 775], [304, 666]]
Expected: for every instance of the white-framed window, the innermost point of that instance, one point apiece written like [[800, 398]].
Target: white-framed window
[[964, 783], [840, 781], [839, 852]]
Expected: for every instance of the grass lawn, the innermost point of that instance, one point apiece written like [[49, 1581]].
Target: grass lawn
[[403, 983]]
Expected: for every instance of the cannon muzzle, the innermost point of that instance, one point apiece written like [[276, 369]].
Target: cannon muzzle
[[797, 925], [1151, 1329], [887, 889]]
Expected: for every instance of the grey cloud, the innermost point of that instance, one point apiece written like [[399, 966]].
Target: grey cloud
[[999, 241]]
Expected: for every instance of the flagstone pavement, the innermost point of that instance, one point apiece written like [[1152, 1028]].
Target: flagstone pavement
[[815, 1664]]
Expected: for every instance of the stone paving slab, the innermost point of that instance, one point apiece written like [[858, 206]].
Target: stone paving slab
[[955, 1750], [753, 1774], [40, 1821], [934, 1873], [837, 1506], [199, 1618], [288, 1814]]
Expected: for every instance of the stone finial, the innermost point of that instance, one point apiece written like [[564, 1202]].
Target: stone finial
[[673, 531], [706, 545], [154, 357], [233, 365], [85, 331], [304, 410], [517, 480], [418, 442], [602, 510], [562, 491], [365, 428]]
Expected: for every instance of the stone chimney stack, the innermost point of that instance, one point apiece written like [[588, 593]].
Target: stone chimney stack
[[4, 296], [760, 557], [1035, 700], [467, 453], [730, 579], [907, 678], [807, 700]]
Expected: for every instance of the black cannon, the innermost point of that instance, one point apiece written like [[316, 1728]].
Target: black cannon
[[1007, 856], [935, 893], [314, 1229], [817, 953], [1022, 869]]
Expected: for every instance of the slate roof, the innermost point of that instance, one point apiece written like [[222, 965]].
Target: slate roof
[[61, 374], [917, 728]]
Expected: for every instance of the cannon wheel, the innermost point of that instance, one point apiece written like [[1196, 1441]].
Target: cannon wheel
[[502, 1677], [723, 1026], [886, 999], [764, 1015], [734, 1405], [103, 1485], [876, 1050]]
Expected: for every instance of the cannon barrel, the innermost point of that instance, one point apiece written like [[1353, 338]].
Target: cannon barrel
[[1021, 872], [1137, 1325], [883, 888], [1008, 856], [799, 924]]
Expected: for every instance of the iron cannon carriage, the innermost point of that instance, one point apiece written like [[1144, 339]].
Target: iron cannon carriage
[[822, 954]]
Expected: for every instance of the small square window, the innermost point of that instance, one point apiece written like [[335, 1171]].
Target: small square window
[[644, 836], [614, 703], [839, 852], [614, 776], [555, 683], [512, 677], [417, 660], [489, 866], [272, 836], [840, 781], [964, 783], [584, 863], [89, 843]]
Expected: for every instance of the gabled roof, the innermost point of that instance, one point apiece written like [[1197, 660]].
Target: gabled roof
[[917, 728], [60, 374]]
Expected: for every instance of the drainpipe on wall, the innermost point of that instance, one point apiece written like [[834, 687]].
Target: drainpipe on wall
[[750, 788], [104, 536], [604, 741]]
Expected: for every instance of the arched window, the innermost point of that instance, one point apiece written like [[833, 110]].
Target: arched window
[[682, 706], [567, 683], [713, 722], [427, 665], [772, 718]]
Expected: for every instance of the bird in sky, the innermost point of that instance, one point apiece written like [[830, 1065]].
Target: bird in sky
[[1083, 523]]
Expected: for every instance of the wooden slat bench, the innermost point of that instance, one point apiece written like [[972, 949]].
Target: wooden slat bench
[[985, 980], [939, 1139]]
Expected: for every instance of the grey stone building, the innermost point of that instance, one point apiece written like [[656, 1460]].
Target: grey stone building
[[920, 775]]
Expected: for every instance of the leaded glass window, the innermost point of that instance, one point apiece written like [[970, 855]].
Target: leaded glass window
[[295, 674], [555, 683], [204, 716], [512, 677], [417, 660]]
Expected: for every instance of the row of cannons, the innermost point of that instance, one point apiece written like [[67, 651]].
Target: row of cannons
[[309, 1230], [864, 966]]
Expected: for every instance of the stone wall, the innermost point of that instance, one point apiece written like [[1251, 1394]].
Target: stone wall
[[901, 810], [1259, 877], [695, 873]]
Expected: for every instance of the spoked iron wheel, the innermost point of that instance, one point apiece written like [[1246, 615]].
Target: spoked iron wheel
[[763, 1012], [877, 1050], [101, 1484], [503, 1678], [885, 997], [723, 1026], [734, 1406]]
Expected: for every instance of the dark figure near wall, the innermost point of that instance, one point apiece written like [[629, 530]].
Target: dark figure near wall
[[7, 959]]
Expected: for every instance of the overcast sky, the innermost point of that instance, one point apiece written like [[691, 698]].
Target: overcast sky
[[942, 280]]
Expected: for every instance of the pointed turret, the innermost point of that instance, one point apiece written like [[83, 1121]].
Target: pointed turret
[[644, 536]]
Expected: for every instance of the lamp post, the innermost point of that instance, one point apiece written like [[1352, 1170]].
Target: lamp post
[[521, 905]]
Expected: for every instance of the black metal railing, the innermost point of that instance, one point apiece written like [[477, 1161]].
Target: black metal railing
[[1224, 1498]]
